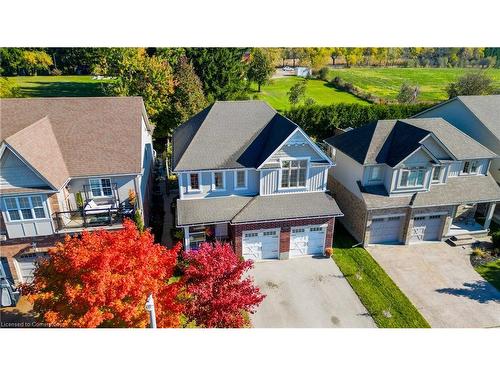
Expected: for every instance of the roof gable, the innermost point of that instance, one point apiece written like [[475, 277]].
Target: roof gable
[[37, 146], [14, 173]]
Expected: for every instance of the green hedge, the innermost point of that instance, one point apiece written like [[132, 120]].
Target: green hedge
[[320, 121]]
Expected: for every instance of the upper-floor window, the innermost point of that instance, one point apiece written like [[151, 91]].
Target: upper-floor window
[[375, 174], [218, 181], [240, 179], [25, 208], [470, 167], [436, 174], [293, 173], [194, 181], [413, 177], [101, 187]]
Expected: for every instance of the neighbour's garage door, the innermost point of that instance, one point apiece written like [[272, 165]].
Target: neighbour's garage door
[[27, 264], [307, 240], [426, 228], [386, 229], [261, 244]]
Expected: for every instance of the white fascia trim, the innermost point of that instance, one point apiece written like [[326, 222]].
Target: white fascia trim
[[440, 143], [288, 219], [421, 147]]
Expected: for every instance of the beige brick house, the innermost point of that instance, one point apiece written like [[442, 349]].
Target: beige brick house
[[250, 176], [412, 180], [66, 165]]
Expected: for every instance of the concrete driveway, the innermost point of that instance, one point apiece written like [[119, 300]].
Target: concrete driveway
[[306, 292], [441, 283]]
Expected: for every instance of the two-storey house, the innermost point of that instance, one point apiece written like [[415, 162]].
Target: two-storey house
[[412, 180], [251, 176], [478, 116], [68, 164]]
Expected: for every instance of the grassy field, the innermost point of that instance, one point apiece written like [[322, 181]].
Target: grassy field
[[275, 93], [385, 82], [385, 302], [491, 273], [50, 86]]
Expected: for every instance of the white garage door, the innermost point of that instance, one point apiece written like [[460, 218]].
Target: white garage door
[[386, 229], [426, 228], [307, 240], [261, 244], [27, 264]]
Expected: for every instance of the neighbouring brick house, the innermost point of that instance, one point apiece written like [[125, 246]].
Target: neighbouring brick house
[[250, 176], [412, 180], [68, 164]]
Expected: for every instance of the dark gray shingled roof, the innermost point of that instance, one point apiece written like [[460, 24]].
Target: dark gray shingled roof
[[239, 209], [229, 134], [457, 190], [390, 141]]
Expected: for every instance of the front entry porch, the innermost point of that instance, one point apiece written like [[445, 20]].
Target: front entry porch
[[472, 218]]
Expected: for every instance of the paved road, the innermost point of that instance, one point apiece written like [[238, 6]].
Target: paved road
[[306, 292], [441, 283]]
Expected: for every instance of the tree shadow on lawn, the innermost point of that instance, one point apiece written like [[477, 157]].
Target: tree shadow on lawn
[[56, 89], [480, 291]]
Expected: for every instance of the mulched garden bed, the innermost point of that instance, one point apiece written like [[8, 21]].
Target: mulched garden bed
[[485, 255]]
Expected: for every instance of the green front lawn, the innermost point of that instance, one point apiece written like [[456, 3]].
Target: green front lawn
[[491, 273], [53, 86], [386, 82], [385, 302], [275, 93]]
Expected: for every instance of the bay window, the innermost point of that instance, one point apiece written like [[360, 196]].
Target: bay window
[[100, 187], [413, 177], [293, 173], [25, 208]]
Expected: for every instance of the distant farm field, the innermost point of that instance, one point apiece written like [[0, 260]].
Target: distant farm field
[[50, 86], [275, 93], [385, 82]]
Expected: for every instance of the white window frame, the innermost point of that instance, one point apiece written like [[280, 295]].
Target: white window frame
[[189, 187], [214, 188], [401, 172], [102, 195], [440, 177], [236, 179], [370, 173], [469, 169], [306, 179], [31, 208]]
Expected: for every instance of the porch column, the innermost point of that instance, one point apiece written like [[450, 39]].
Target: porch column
[[489, 215], [186, 238]]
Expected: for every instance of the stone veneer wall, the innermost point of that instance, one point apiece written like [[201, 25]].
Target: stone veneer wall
[[237, 230], [353, 208]]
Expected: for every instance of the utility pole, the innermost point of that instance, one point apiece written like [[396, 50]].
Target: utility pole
[[150, 307]]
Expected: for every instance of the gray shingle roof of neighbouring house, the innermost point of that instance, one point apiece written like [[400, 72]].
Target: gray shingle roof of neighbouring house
[[233, 134], [95, 136], [486, 108], [241, 209], [457, 190], [288, 206], [390, 141]]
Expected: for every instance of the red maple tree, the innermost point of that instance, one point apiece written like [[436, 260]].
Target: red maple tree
[[219, 296], [103, 278]]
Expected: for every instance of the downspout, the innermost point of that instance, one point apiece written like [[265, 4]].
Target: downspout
[[138, 194]]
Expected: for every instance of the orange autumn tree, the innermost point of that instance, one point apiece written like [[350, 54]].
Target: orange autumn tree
[[103, 278]]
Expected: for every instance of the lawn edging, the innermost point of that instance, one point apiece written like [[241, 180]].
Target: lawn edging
[[387, 304]]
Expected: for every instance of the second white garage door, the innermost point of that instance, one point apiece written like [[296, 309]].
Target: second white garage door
[[307, 240], [261, 244], [386, 229], [27, 264], [426, 228]]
